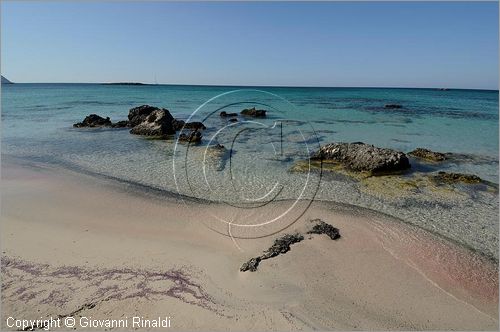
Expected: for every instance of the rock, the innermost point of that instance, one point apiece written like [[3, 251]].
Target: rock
[[254, 112], [393, 106], [233, 120], [251, 265], [428, 154], [322, 227], [93, 120], [363, 157], [178, 124], [450, 178], [223, 114], [137, 115], [192, 137], [194, 125], [282, 245], [120, 124], [157, 122]]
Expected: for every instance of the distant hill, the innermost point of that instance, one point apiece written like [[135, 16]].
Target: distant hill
[[125, 83], [6, 81]]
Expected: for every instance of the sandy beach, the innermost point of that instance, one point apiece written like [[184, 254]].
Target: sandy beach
[[73, 245]]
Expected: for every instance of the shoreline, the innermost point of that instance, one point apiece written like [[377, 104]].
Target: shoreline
[[381, 274], [160, 194]]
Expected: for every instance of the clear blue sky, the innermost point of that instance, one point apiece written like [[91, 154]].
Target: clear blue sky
[[305, 44]]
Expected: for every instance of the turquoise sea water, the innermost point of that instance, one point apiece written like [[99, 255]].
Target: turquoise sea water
[[37, 125]]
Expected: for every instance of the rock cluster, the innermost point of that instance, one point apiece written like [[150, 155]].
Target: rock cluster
[[363, 157], [148, 120]]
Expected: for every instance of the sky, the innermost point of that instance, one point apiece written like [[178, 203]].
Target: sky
[[386, 44]]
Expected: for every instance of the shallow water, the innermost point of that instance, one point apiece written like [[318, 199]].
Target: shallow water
[[37, 124]]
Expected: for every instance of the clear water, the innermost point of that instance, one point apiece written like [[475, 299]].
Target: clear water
[[37, 124]]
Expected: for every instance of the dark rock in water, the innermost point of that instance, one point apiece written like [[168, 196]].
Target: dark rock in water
[[281, 245], [137, 115], [363, 157], [216, 157], [194, 125], [93, 120], [251, 265], [178, 124], [322, 227], [192, 137], [120, 124], [393, 106], [254, 112], [233, 120], [224, 114], [155, 122], [428, 154], [450, 178]]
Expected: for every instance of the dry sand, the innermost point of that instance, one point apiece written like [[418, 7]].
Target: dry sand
[[75, 245]]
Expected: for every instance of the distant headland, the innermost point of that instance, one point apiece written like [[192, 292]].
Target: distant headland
[[6, 81], [126, 83]]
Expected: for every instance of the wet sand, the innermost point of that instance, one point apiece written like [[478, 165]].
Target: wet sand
[[80, 246]]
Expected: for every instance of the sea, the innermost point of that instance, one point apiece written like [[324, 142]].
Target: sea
[[255, 165]]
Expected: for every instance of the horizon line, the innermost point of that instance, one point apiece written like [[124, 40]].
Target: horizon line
[[132, 83]]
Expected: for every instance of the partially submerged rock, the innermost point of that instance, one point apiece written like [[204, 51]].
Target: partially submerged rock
[[138, 115], [254, 112], [92, 121], [322, 227], [224, 114], [363, 157], [450, 178], [192, 137], [120, 124], [393, 106], [216, 156], [156, 123], [180, 124], [195, 125], [428, 155]]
